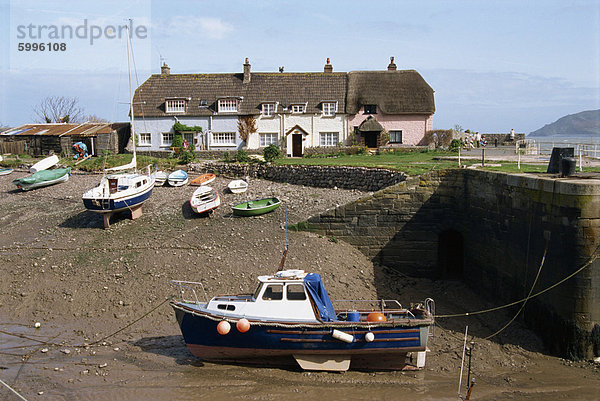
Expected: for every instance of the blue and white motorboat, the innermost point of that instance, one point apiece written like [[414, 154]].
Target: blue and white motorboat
[[290, 317]]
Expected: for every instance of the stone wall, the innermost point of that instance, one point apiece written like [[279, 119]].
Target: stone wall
[[366, 179], [493, 230]]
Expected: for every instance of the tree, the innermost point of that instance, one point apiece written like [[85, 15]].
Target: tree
[[58, 109], [92, 118], [246, 127]]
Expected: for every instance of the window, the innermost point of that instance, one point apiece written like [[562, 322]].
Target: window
[[329, 138], [227, 105], [329, 108], [295, 292], [166, 139], [189, 137], [298, 108], [144, 139], [274, 292], [175, 106], [268, 139], [268, 109], [370, 109], [224, 138], [395, 136]]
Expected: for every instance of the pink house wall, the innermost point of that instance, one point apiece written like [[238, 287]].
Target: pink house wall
[[413, 126]]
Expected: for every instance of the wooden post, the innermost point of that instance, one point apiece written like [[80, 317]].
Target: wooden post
[[482, 157], [107, 217], [136, 212]]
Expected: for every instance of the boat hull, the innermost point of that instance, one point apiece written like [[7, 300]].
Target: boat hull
[[274, 343], [107, 205]]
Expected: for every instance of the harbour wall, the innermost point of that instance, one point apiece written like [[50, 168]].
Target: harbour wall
[[494, 230], [365, 179]]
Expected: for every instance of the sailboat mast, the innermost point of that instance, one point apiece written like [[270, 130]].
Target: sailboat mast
[[133, 138]]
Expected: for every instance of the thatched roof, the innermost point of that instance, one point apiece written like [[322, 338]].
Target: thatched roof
[[203, 91], [370, 124], [394, 92]]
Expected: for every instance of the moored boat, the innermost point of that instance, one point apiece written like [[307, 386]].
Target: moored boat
[[119, 191], [43, 178], [44, 164], [204, 199], [178, 178], [291, 317], [204, 179], [5, 171], [237, 186], [256, 207], [160, 177]]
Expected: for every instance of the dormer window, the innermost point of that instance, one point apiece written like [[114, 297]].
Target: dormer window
[[268, 109], [298, 108], [370, 109], [228, 105], [175, 105], [329, 109]]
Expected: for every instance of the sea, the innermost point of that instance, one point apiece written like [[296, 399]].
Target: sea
[[588, 145]]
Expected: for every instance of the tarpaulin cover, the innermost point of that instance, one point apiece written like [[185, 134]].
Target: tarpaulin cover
[[317, 291], [44, 175]]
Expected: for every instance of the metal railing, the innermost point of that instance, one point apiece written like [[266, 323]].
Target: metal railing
[[188, 285]]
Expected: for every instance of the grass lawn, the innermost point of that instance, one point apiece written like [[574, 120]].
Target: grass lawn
[[412, 163]]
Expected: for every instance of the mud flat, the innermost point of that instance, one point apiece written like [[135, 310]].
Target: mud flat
[[86, 286]]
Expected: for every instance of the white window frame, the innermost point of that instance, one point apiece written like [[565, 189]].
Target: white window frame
[[175, 105], [268, 138], [328, 139], [223, 139], [228, 105], [298, 108], [166, 135], [144, 139], [396, 130], [268, 109], [329, 108]]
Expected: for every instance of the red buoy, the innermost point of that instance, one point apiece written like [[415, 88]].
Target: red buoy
[[243, 325], [223, 327], [376, 317]]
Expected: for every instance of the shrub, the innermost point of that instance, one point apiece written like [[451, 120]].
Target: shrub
[[271, 153], [177, 141], [241, 156], [187, 156], [226, 157], [455, 145]]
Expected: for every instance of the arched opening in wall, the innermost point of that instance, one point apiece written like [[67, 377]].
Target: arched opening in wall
[[451, 255]]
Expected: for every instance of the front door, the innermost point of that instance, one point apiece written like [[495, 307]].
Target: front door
[[371, 138], [297, 145]]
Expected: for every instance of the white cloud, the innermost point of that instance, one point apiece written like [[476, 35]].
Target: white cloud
[[212, 28]]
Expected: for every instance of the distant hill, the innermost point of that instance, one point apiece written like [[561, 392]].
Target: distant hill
[[585, 123]]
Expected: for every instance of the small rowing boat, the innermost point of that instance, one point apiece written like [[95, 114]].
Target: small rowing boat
[[203, 179], [204, 199], [256, 207], [5, 171], [43, 178], [44, 164], [178, 178], [238, 186], [159, 178]]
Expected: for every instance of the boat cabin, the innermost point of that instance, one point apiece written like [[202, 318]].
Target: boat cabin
[[286, 295]]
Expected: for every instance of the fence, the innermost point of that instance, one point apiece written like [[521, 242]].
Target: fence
[[13, 147], [584, 147]]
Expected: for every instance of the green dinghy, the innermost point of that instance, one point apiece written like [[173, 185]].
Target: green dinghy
[[256, 207]]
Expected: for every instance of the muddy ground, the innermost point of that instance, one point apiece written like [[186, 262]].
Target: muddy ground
[[87, 285]]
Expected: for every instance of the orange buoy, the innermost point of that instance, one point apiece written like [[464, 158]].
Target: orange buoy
[[376, 317], [223, 327], [243, 325]]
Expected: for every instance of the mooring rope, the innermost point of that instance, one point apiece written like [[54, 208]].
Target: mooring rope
[[587, 264], [13, 390]]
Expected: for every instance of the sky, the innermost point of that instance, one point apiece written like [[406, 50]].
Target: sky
[[494, 65]]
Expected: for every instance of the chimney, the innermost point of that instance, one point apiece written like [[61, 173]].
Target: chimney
[[165, 70], [392, 65], [328, 67], [246, 72]]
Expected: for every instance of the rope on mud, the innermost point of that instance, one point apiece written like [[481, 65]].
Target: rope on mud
[[13, 390], [133, 322], [528, 295], [587, 264]]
